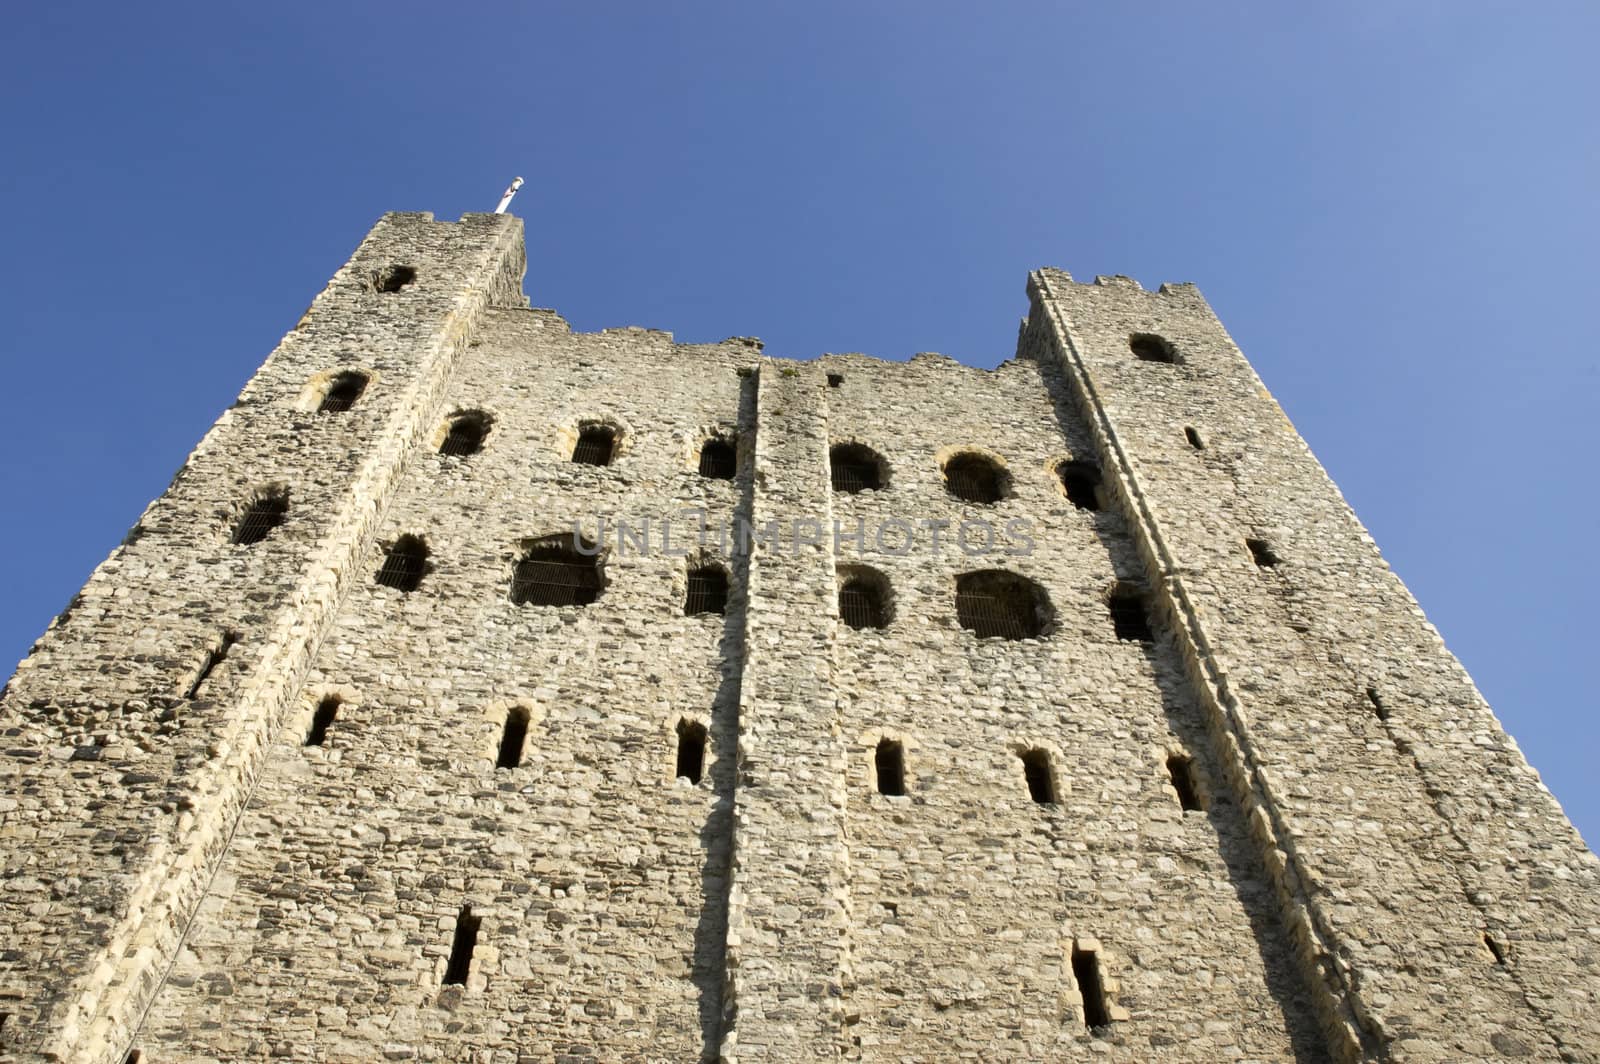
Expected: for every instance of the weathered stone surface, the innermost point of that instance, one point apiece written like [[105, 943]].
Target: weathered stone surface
[[1375, 872]]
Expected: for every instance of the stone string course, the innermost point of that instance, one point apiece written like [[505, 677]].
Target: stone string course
[[1376, 872]]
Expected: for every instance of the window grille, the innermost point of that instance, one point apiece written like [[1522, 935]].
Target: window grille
[[854, 468], [263, 515], [708, 591], [718, 460], [342, 393], [555, 576], [1080, 481], [1128, 619], [595, 446], [860, 605], [404, 565], [465, 436], [998, 604], [973, 478]]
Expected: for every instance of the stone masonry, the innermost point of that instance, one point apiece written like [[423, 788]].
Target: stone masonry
[[1222, 795]]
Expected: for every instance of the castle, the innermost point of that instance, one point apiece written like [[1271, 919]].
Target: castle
[[485, 691]]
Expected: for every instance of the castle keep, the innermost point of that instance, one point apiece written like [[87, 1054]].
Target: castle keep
[[875, 711]]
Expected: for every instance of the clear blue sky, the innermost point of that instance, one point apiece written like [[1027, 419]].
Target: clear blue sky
[[1391, 206]]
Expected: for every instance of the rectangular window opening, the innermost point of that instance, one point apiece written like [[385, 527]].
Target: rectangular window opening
[[322, 720], [1036, 767], [1377, 704], [1194, 439], [134, 1056], [691, 751], [889, 763], [1262, 552], [1181, 768], [1086, 971], [513, 738], [455, 973], [1494, 948], [212, 659]]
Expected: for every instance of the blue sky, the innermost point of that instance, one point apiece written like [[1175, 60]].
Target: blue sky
[[1390, 205]]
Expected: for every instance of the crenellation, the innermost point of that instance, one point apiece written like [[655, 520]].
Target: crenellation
[[592, 696]]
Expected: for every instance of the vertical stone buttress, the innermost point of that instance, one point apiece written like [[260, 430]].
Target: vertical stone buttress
[[787, 911], [1442, 906], [123, 781]]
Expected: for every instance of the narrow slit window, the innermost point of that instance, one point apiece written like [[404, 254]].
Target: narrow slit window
[[264, 514], [974, 478], [552, 574], [1496, 950], [466, 940], [1181, 768], [1148, 347], [1036, 770], [513, 738], [342, 393], [861, 604], [465, 436], [718, 460], [134, 1057], [322, 720], [1262, 553], [1378, 707], [691, 750], [1081, 483], [889, 765], [391, 279], [596, 445], [1193, 436], [853, 468], [1128, 619], [708, 591], [405, 564], [995, 603], [212, 659], [1086, 973]]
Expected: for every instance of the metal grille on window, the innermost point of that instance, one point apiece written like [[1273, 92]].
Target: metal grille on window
[[853, 469], [594, 447], [993, 615], [555, 577], [1128, 619], [973, 478], [465, 437], [263, 516], [718, 460], [860, 606], [405, 564], [342, 393], [708, 591]]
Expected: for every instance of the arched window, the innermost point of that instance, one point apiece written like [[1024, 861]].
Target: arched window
[[855, 467], [708, 590], [1128, 618], [691, 759], [1148, 347], [974, 478], [994, 602], [718, 459], [596, 445], [265, 512], [1081, 483], [551, 572], [404, 564], [513, 738], [889, 765], [466, 434], [864, 600], [343, 391], [1041, 780]]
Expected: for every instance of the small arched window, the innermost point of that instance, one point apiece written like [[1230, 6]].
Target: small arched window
[[1128, 617], [718, 459], [343, 391], [1148, 347], [708, 590], [691, 760], [864, 600], [265, 512], [466, 434], [552, 572], [1080, 481], [596, 445], [1001, 604], [404, 564], [855, 467], [975, 478]]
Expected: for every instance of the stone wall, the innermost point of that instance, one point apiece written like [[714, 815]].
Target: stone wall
[[1367, 870]]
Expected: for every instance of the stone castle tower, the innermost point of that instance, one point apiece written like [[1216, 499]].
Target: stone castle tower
[[876, 711]]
